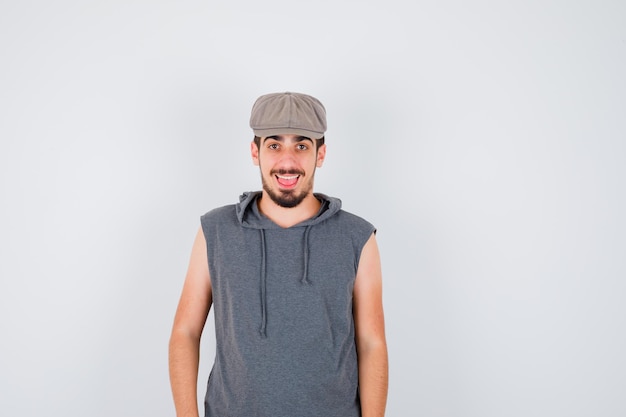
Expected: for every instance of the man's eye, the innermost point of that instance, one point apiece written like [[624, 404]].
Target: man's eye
[[273, 146], [303, 147]]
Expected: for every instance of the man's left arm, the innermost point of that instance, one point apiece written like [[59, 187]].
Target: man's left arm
[[370, 332]]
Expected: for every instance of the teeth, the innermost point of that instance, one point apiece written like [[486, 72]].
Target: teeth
[[287, 178]]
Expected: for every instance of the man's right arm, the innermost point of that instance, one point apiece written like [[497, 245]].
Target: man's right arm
[[191, 314]]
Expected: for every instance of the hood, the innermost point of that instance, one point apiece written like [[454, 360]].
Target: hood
[[249, 216]]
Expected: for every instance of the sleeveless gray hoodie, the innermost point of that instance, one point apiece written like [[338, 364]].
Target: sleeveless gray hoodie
[[282, 300]]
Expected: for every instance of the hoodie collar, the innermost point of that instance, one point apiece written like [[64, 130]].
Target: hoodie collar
[[249, 215]]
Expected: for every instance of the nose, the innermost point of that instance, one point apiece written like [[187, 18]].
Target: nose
[[288, 155], [288, 163]]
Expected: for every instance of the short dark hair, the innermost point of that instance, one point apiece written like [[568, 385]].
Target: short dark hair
[[318, 142]]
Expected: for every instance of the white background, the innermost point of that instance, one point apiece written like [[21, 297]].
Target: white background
[[485, 140]]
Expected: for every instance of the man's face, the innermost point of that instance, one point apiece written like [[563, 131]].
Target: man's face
[[287, 164]]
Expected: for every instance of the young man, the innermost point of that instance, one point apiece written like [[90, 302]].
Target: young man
[[296, 287]]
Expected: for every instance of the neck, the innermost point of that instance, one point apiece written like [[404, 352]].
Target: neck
[[287, 217]]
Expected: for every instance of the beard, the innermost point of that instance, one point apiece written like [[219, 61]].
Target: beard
[[287, 198]]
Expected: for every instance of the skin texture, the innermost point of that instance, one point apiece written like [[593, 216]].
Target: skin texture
[[286, 156], [193, 308], [370, 332]]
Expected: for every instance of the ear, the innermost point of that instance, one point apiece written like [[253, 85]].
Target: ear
[[254, 151], [321, 154]]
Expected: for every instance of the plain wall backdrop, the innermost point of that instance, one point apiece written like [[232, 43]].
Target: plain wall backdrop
[[484, 139]]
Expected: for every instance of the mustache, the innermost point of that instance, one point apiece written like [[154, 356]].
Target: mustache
[[286, 172]]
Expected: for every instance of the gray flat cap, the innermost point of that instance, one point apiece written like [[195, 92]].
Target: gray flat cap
[[288, 113]]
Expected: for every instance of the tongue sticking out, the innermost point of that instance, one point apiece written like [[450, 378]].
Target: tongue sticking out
[[287, 181]]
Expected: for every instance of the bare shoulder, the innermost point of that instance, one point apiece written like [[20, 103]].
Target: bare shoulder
[[368, 300], [369, 270], [196, 297]]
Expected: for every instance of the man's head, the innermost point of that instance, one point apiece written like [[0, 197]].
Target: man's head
[[288, 145]]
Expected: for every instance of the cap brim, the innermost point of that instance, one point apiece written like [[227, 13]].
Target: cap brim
[[263, 133]]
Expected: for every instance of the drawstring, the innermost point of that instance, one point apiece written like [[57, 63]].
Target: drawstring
[[305, 276], [262, 330]]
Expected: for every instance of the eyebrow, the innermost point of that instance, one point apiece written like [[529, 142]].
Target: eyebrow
[[282, 139]]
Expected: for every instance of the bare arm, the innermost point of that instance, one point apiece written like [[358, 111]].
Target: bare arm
[[370, 332], [191, 314]]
